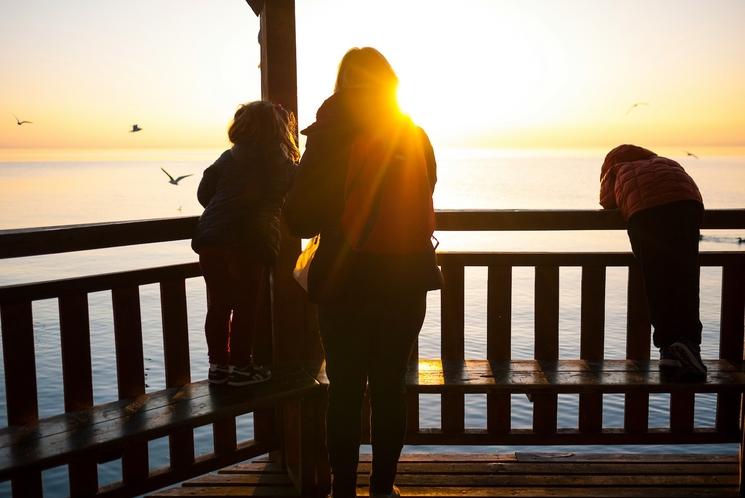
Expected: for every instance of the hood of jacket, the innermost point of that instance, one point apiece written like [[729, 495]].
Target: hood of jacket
[[354, 109]]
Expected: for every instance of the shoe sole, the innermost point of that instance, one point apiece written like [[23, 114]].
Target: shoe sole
[[689, 364], [247, 382], [669, 364]]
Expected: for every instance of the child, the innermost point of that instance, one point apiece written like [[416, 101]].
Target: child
[[238, 234], [663, 208]]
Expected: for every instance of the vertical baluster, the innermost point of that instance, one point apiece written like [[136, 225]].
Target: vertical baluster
[[592, 336], [452, 345], [499, 342], [412, 398], [636, 410], [223, 436], [731, 339], [546, 342], [264, 420], [130, 371], [176, 357], [731, 408], [20, 381], [682, 406], [77, 380], [365, 420]]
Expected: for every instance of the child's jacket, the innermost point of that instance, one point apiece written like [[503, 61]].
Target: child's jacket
[[638, 185], [243, 194]]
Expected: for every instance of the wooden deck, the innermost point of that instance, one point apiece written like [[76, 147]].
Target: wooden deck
[[524, 475]]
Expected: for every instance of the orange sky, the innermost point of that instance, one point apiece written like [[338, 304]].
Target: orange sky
[[482, 73]]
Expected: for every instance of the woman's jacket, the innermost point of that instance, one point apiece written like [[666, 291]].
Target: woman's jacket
[[316, 202]]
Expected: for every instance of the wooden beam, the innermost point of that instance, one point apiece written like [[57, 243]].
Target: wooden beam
[[279, 85], [278, 57], [256, 5]]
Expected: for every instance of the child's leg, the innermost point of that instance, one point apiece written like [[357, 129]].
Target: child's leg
[[216, 326], [650, 252], [684, 290], [249, 286], [665, 242]]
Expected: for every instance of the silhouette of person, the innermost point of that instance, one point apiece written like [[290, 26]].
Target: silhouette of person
[[238, 235], [373, 267], [663, 208]]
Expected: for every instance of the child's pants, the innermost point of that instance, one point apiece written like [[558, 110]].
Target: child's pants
[[664, 240], [234, 290]]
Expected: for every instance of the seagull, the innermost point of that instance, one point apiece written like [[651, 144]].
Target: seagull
[[135, 128], [635, 105], [19, 122], [691, 154], [171, 180]]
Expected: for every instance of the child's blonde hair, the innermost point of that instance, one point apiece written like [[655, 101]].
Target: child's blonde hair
[[265, 125]]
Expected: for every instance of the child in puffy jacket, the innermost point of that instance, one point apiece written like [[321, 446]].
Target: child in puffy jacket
[[238, 234], [663, 208]]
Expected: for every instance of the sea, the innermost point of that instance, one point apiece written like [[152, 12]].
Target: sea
[[49, 188]]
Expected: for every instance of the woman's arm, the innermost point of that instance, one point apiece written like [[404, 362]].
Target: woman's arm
[[429, 156], [315, 199]]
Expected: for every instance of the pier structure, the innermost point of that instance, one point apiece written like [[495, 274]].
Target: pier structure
[[286, 455]]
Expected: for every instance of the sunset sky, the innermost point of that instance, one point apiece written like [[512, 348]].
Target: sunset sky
[[476, 73]]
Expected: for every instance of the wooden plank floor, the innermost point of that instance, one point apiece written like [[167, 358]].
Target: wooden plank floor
[[523, 475]]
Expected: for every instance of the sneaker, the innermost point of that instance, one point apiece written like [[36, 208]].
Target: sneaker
[[689, 356], [668, 361], [218, 374], [249, 374], [394, 492]]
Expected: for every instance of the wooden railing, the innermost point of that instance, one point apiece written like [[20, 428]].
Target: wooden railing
[[98, 433], [499, 336], [20, 358]]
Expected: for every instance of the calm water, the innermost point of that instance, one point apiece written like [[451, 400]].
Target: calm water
[[68, 192]]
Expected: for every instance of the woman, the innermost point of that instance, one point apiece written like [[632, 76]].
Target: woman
[[365, 183]]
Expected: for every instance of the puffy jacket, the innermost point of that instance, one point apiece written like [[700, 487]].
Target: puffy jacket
[[316, 201], [634, 186], [243, 194]]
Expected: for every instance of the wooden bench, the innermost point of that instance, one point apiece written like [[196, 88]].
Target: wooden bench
[[99, 433], [542, 381]]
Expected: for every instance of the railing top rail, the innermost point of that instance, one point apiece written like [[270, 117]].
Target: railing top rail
[[16, 243], [563, 219]]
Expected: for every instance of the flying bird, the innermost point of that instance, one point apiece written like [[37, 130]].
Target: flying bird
[[171, 180], [635, 105], [691, 154], [19, 122], [135, 128]]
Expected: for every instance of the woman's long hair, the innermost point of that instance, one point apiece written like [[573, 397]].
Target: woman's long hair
[[266, 126], [366, 68]]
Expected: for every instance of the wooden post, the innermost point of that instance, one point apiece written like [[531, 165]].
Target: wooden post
[[176, 359], [130, 372], [77, 380], [731, 336], [293, 341], [499, 343], [452, 345], [592, 327], [636, 409], [20, 382], [545, 406]]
